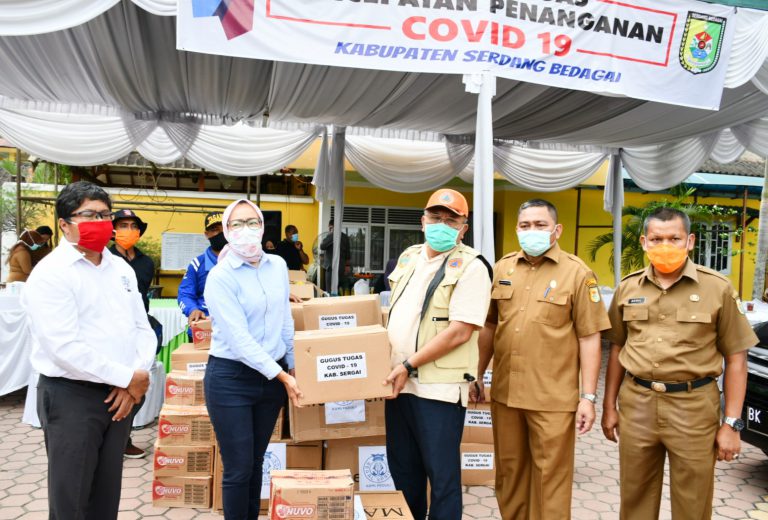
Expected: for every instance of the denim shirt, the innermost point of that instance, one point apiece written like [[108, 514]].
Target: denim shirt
[[251, 313]]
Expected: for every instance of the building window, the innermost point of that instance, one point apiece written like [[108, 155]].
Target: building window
[[714, 246], [377, 234]]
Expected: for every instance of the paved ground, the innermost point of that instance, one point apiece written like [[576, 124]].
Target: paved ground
[[741, 490]]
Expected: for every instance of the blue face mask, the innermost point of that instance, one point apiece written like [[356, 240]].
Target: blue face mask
[[35, 247], [295, 237], [534, 243], [441, 237]]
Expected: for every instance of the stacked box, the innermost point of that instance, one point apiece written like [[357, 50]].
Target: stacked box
[[183, 388], [478, 467], [202, 331], [189, 359], [311, 495], [184, 456], [343, 420]]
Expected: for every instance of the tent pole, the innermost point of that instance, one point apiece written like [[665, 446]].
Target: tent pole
[[18, 193], [485, 86], [745, 201], [618, 203], [337, 170], [55, 194], [258, 191], [578, 221]]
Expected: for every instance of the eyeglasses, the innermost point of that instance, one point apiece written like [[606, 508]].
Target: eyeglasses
[[453, 222], [88, 214], [237, 225]]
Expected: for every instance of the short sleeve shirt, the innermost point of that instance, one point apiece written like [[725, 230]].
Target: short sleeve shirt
[[680, 333], [541, 312], [469, 304]]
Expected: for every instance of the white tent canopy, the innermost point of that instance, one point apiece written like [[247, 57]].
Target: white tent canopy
[[86, 81]]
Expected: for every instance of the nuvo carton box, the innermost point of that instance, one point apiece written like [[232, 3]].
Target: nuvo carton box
[[188, 359], [343, 364], [186, 389], [181, 492], [311, 495], [201, 333], [183, 461], [184, 426]]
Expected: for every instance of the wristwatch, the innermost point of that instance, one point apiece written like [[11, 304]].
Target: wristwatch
[[589, 397], [734, 422], [412, 372]]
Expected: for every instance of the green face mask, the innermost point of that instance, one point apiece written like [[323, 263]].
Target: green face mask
[[441, 237]]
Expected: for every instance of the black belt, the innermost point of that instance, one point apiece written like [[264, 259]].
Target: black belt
[[658, 386], [87, 384]]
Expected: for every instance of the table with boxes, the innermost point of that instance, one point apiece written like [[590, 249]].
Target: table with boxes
[[331, 449]]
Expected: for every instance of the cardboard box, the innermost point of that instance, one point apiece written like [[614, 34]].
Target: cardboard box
[[478, 467], [277, 433], [384, 316], [345, 454], [311, 495], [193, 492], [303, 290], [297, 276], [183, 461], [184, 426], [478, 427], [342, 365], [342, 312], [309, 423], [308, 455], [201, 334], [385, 505], [188, 359], [297, 311], [186, 389]]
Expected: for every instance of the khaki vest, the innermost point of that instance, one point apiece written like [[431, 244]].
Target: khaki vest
[[462, 360]]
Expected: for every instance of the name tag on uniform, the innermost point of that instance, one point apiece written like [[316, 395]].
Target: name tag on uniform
[[126, 283], [636, 301], [505, 282]]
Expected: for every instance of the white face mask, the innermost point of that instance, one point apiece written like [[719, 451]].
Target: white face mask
[[246, 242]]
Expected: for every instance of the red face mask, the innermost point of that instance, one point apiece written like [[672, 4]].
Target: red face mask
[[95, 234]]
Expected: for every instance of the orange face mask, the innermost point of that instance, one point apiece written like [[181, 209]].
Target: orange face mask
[[126, 238], [667, 258]]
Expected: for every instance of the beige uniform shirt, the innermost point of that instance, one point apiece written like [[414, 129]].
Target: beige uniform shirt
[[681, 333], [469, 304], [541, 312]]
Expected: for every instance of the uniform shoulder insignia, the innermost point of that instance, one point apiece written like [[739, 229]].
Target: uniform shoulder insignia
[[712, 272], [577, 260], [633, 274]]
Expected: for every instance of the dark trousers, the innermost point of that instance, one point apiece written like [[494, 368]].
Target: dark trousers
[[85, 449], [243, 406], [423, 442]]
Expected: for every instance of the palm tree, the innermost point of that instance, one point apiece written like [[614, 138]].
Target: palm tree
[[632, 254]]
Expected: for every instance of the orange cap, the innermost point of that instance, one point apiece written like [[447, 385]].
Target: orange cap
[[449, 199]]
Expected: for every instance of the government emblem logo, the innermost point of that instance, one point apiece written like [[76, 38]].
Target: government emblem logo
[[702, 42], [376, 468]]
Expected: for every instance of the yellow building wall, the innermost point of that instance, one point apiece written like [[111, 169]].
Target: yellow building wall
[[305, 217]]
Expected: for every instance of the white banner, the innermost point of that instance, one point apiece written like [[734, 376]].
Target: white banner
[[673, 51], [275, 458]]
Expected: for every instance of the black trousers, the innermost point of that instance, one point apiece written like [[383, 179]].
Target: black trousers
[[85, 449], [423, 442]]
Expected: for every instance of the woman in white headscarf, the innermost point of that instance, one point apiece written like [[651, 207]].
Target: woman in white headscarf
[[250, 368]]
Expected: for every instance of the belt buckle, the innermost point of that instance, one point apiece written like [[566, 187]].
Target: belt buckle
[[658, 387]]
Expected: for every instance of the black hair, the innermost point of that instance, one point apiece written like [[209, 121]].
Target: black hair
[[539, 203], [666, 214], [44, 230], [73, 195], [290, 227]]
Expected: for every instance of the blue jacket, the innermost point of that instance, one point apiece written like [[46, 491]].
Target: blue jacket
[[193, 284]]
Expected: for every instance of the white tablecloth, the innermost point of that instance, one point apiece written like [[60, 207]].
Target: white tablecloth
[[15, 345], [759, 314], [146, 414], [170, 317]]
